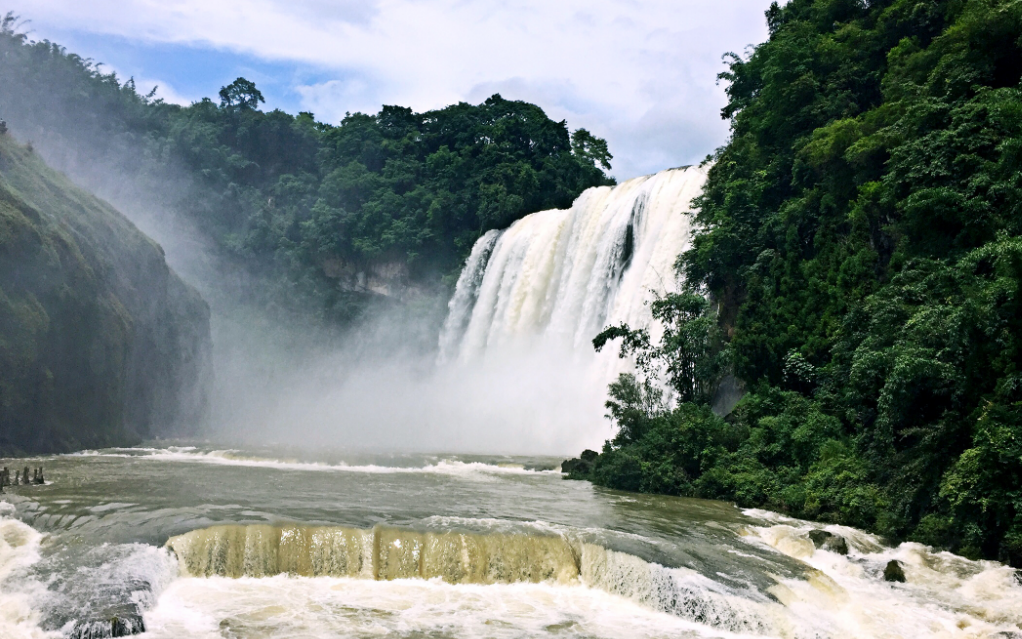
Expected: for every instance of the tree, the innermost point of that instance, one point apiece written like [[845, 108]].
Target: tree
[[588, 147], [689, 357], [240, 95]]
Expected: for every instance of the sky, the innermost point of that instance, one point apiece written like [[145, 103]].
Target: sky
[[640, 73]]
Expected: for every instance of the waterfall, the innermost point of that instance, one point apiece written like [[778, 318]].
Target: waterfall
[[557, 278]]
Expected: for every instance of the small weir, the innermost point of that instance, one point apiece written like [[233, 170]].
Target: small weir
[[386, 553]]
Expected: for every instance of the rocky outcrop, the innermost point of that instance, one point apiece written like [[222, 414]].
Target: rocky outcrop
[[100, 342], [389, 279], [894, 572], [828, 541]]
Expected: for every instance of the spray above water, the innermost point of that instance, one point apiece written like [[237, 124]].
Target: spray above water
[[516, 371]]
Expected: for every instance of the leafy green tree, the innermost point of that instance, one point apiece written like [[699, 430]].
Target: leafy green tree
[[688, 357], [240, 95], [590, 148]]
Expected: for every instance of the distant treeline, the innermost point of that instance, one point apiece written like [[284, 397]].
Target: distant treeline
[[861, 244], [287, 197]]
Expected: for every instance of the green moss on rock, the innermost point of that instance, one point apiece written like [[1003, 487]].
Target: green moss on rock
[[100, 342]]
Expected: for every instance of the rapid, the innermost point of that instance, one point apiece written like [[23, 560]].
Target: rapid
[[196, 542]]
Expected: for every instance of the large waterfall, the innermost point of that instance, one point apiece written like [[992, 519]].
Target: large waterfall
[[554, 279]]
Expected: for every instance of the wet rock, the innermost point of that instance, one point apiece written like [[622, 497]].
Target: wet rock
[[894, 572], [126, 626], [818, 537], [829, 541], [837, 544], [119, 626]]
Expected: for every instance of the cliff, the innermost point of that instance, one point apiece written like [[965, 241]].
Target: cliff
[[101, 344]]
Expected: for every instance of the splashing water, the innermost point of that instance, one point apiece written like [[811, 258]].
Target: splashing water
[[202, 542], [554, 279]]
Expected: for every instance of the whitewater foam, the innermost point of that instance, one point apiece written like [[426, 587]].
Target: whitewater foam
[[944, 595], [20, 592], [328, 607], [449, 467]]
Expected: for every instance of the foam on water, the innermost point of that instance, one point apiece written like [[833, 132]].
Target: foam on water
[[944, 595], [19, 591], [450, 467], [328, 607]]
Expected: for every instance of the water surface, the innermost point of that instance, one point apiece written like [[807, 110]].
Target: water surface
[[275, 542]]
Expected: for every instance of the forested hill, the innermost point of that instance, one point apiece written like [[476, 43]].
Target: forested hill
[[100, 343], [861, 238], [304, 206]]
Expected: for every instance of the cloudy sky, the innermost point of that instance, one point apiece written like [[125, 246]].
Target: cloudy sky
[[641, 73]]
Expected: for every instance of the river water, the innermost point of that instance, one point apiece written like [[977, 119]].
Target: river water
[[196, 542]]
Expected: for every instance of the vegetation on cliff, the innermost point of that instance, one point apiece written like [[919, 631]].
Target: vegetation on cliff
[[100, 343], [861, 237], [290, 200]]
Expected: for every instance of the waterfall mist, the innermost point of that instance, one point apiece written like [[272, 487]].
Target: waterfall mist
[[516, 371], [506, 366]]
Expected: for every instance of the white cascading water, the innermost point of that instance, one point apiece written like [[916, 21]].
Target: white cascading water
[[556, 278]]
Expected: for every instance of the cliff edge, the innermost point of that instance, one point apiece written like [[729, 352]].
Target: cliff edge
[[101, 344]]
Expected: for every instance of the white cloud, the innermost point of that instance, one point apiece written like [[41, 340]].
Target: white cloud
[[164, 91], [145, 85], [641, 74], [330, 100]]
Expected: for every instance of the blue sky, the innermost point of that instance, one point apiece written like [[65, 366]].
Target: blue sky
[[640, 73]]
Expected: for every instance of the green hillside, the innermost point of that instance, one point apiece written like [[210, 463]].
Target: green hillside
[[300, 207], [100, 343], [861, 240]]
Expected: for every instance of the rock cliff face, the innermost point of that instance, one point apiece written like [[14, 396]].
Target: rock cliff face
[[389, 279], [100, 342]]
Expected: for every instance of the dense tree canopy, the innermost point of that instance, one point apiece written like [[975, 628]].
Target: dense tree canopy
[[861, 236], [287, 196]]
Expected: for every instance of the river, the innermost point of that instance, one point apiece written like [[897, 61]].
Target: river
[[191, 541]]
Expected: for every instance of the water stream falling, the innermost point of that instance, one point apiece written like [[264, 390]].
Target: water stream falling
[[555, 279]]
